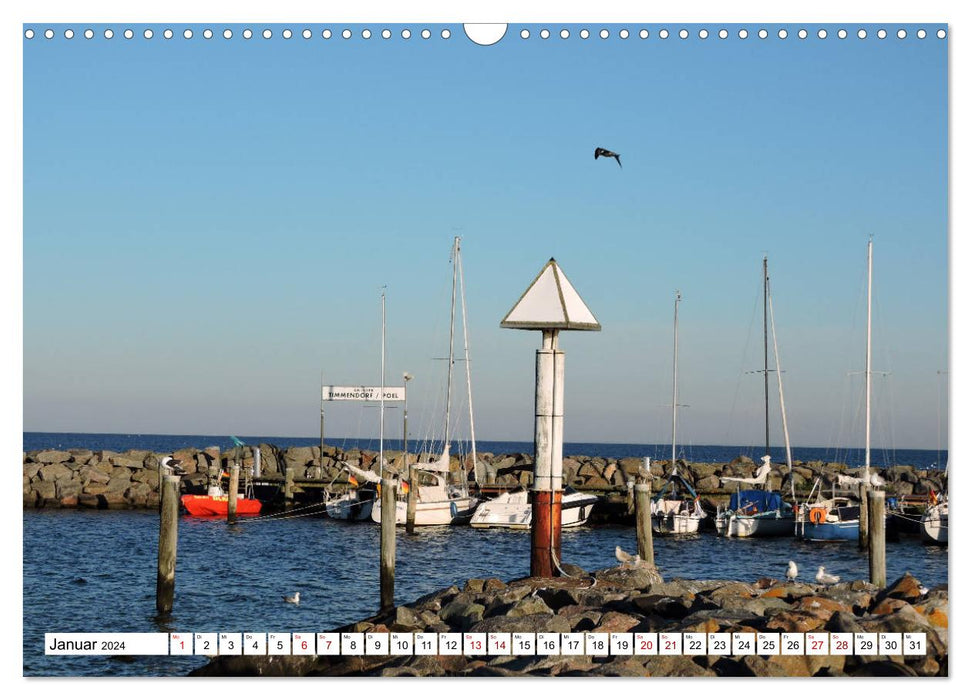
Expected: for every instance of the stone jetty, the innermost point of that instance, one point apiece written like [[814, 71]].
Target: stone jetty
[[636, 599], [104, 479]]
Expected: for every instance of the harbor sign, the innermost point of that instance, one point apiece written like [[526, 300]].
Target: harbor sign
[[362, 393]]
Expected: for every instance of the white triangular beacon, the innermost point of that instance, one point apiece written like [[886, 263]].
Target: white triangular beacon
[[551, 303]]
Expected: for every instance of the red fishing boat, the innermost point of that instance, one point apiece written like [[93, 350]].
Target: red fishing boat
[[219, 505]]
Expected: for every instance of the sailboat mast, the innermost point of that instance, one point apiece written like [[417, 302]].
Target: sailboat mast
[[381, 438], [765, 343], [867, 373], [468, 367], [451, 342], [674, 397], [782, 397]]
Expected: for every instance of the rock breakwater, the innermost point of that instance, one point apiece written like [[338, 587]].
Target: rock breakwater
[[103, 479], [635, 599]]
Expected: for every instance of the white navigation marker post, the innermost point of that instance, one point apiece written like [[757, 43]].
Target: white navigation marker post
[[550, 304]]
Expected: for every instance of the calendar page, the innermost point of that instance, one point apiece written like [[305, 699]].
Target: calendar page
[[408, 347]]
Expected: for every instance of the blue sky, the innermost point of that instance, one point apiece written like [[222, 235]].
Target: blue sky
[[207, 225]]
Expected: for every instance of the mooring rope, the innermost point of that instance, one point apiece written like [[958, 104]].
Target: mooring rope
[[285, 515]]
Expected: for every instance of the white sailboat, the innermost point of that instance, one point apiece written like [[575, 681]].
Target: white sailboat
[[442, 499], [761, 512], [933, 523], [358, 501], [676, 509]]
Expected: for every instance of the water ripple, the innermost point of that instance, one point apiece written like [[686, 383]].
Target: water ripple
[[232, 578]]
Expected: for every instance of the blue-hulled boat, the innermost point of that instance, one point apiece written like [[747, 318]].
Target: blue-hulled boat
[[755, 513], [829, 520]]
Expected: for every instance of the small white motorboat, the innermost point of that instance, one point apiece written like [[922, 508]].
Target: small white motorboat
[[514, 511], [676, 516]]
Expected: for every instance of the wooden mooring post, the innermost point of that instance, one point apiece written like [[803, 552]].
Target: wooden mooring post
[[215, 468], [288, 485], [412, 499], [168, 536], [233, 492], [642, 510], [877, 538], [388, 522], [409, 468], [864, 539]]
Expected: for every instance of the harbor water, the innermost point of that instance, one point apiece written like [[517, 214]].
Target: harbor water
[[94, 571]]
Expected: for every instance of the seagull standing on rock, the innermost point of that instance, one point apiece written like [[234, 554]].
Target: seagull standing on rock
[[824, 578], [792, 572], [625, 558], [295, 598]]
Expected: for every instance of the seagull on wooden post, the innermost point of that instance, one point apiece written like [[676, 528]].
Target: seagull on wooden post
[[172, 466], [607, 154]]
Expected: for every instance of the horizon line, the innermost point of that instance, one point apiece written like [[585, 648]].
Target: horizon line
[[316, 440]]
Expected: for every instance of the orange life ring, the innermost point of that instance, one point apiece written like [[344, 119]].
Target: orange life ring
[[817, 515]]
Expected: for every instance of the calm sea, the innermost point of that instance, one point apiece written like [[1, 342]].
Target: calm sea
[[94, 571]]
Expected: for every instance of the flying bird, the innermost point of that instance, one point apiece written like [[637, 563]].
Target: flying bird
[[173, 466], [828, 579], [606, 154], [295, 598], [792, 571]]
